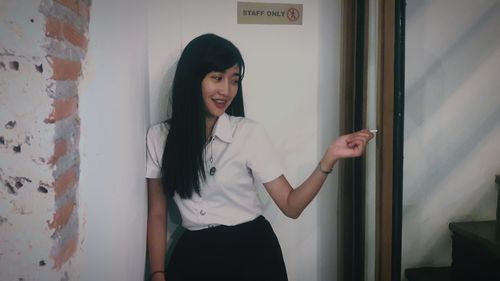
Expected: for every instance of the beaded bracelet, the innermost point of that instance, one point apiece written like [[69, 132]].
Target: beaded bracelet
[[158, 271], [326, 172]]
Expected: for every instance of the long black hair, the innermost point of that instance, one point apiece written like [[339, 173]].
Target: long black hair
[[183, 161]]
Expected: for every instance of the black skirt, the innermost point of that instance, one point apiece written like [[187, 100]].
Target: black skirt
[[244, 252]]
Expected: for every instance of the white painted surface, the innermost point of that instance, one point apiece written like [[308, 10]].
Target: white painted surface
[[114, 116], [329, 48], [290, 86], [372, 89], [452, 123], [25, 238]]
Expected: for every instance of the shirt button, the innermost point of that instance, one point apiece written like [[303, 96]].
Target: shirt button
[[202, 212]]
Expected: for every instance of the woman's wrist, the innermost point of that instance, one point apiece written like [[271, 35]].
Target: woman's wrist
[[328, 161], [324, 171], [157, 272], [325, 165]]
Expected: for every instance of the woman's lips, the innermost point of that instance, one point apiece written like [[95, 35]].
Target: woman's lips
[[221, 104]]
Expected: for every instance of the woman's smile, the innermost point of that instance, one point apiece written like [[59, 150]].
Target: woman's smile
[[218, 89]]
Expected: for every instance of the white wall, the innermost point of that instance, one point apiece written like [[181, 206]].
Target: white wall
[[290, 86], [114, 116], [452, 123], [372, 77], [329, 50]]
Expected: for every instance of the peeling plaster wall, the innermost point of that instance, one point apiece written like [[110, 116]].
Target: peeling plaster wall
[[41, 52], [26, 144]]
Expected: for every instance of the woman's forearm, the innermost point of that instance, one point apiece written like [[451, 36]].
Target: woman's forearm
[[157, 244], [157, 228], [293, 201], [300, 197]]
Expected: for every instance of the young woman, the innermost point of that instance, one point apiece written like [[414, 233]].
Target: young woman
[[208, 157]]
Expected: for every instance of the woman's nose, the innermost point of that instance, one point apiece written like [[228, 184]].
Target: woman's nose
[[224, 87]]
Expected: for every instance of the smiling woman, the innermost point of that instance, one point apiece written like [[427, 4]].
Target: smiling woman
[[291, 87], [209, 160]]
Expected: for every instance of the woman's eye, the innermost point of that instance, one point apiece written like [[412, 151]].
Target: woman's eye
[[217, 77], [236, 82]]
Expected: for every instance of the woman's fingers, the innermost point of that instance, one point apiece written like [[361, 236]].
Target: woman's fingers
[[354, 144]]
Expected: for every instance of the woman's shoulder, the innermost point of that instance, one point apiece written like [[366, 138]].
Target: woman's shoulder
[[245, 125], [243, 122], [159, 130]]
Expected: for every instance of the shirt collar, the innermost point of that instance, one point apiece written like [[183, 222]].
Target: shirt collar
[[223, 129]]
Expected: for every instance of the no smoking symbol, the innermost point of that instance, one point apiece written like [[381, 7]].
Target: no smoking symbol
[[293, 14]]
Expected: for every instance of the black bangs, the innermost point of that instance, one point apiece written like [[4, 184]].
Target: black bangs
[[219, 55]]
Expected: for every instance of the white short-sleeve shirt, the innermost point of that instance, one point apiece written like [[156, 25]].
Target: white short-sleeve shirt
[[242, 154]]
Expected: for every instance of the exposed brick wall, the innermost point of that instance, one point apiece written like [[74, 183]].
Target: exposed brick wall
[[66, 28], [42, 51]]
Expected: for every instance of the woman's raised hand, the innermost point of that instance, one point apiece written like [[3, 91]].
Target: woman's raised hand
[[351, 145]]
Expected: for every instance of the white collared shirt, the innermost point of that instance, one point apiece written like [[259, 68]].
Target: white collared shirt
[[242, 154]]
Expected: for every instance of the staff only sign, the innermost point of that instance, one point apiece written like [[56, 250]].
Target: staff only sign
[[269, 13]]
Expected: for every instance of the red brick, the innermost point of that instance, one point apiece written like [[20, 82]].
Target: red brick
[[77, 6], [53, 28], [65, 254], [71, 4], [60, 148], [83, 10], [65, 69], [62, 215], [61, 30], [63, 108], [72, 35], [65, 181]]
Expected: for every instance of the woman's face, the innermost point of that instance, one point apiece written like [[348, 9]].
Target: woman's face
[[218, 90]]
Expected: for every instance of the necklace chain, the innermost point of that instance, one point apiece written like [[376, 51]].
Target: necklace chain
[[211, 158]]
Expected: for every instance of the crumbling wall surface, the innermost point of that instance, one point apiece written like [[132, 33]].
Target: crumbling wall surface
[[42, 49]]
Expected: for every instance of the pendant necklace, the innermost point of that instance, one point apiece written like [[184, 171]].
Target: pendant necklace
[[211, 159]]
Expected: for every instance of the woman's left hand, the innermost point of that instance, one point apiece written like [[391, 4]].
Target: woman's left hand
[[351, 145]]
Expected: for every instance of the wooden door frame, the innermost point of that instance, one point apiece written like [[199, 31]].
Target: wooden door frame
[[352, 176], [391, 138], [389, 155]]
